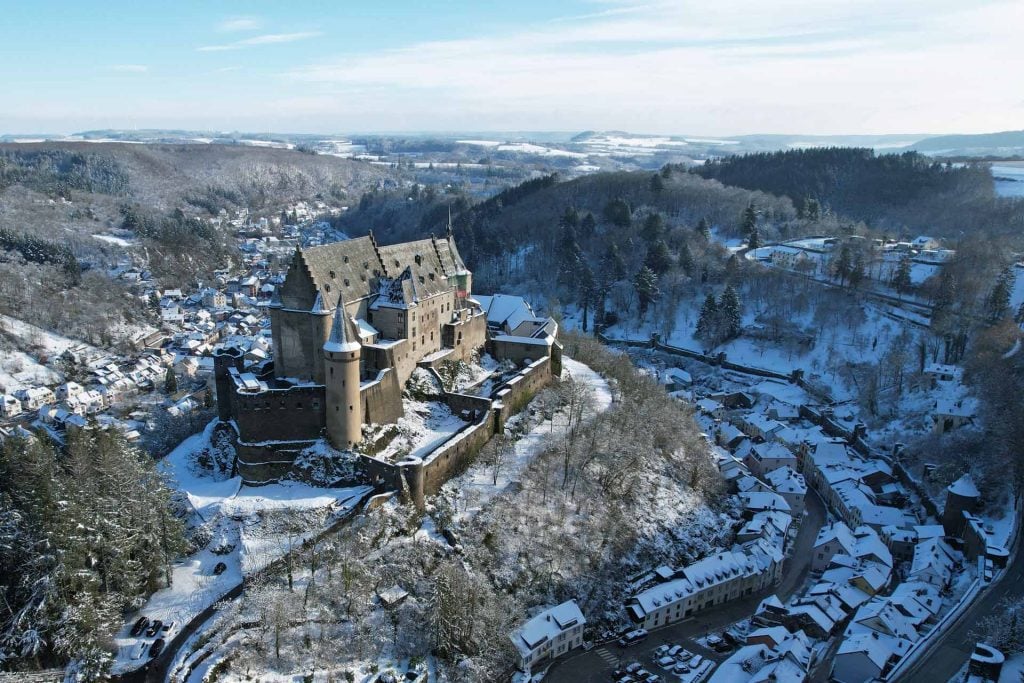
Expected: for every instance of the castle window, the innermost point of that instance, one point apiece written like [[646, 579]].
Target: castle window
[[422, 279], [327, 288], [346, 282], [397, 263], [332, 371], [345, 259], [431, 276], [316, 405], [332, 274], [419, 259], [298, 406]]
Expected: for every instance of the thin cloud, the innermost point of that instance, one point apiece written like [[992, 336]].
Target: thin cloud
[[131, 68], [236, 24], [266, 39]]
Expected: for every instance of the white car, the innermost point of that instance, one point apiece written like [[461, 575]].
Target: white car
[[666, 663]]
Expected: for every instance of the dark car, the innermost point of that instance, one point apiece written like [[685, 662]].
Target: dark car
[[140, 626], [157, 647], [220, 568], [154, 628]]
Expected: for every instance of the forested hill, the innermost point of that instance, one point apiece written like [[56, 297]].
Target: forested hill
[[890, 191], [628, 210]]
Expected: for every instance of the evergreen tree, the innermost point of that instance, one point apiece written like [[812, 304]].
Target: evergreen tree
[[754, 241], [646, 283], [686, 259], [654, 226], [704, 229], [997, 304], [748, 222], [657, 184], [587, 226], [730, 315], [707, 323], [618, 213], [842, 264], [170, 381], [857, 271], [901, 279], [659, 258]]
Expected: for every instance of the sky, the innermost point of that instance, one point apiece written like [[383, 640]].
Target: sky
[[714, 67]]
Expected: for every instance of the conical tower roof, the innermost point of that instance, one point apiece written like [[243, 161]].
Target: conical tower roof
[[341, 340]]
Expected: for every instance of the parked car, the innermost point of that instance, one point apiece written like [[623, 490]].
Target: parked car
[[666, 662], [713, 640], [661, 651], [681, 668], [140, 626], [675, 650], [696, 661], [632, 638], [140, 649], [633, 667], [154, 628], [157, 647], [219, 568]]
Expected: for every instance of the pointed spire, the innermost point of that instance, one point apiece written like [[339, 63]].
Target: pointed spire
[[449, 231], [339, 340], [319, 308]]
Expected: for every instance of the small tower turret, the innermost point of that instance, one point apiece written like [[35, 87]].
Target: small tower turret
[[341, 382]]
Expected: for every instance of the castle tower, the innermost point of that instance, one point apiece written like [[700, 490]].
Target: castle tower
[[341, 382]]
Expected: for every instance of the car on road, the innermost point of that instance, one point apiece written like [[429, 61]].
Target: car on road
[[154, 628], [140, 626], [157, 647]]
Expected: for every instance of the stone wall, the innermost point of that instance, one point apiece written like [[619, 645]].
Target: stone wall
[[265, 464], [290, 414], [382, 399]]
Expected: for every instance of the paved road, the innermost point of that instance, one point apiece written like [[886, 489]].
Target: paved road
[[597, 665], [949, 652]]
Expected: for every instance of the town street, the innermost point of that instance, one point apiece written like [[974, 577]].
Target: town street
[[596, 665]]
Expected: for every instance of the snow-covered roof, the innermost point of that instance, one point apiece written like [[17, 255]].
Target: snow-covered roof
[[965, 487], [546, 626], [340, 339]]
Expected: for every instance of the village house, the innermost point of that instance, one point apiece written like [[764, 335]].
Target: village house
[[550, 634]]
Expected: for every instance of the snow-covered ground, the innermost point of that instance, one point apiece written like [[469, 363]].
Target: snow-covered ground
[[424, 426], [250, 528], [476, 487]]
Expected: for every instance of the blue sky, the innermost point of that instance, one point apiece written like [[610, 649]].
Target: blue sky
[[721, 67]]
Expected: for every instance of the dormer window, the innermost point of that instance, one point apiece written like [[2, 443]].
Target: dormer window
[[419, 259], [327, 288], [366, 264], [346, 282], [344, 259], [431, 276], [332, 275]]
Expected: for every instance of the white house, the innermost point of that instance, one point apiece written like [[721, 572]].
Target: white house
[[550, 634], [9, 406], [934, 563], [765, 457], [866, 656], [34, 398]]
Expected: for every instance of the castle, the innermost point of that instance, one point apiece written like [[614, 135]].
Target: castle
[[350, 324]]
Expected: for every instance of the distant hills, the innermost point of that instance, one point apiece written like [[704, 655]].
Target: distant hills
[[567, 152]]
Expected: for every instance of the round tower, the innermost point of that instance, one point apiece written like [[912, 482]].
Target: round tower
[[341, 382], [961, 496]]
